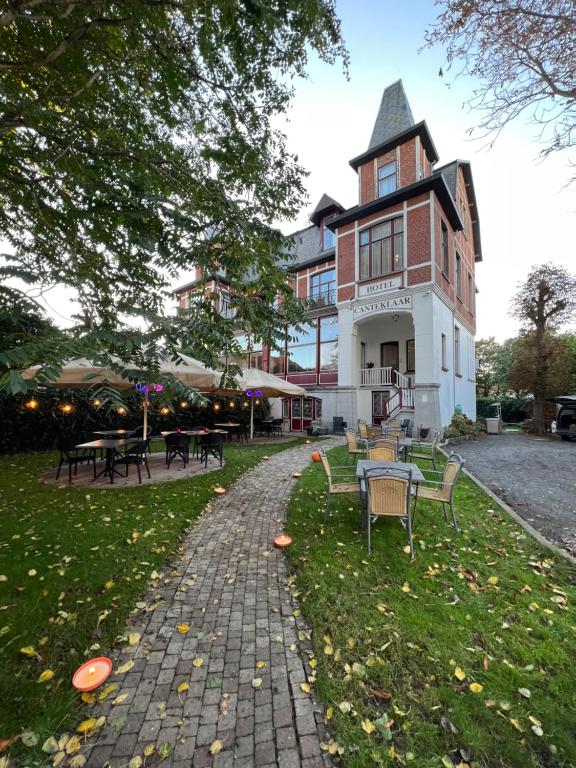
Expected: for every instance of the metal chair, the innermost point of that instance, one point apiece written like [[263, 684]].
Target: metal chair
[[69, 455], [337, 487], [382, 453], [177, 444], [388, 494], [136, 455], [211, 444], [425, 456], [441, 487], [352, 446]]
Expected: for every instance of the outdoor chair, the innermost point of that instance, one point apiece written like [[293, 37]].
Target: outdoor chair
[[354, 449], [138, 435], [211, 444], [385, 442], [338, 425], [70, 455], [373, 432], [382, 453], [276, 428], [425, 455], [440, 486], [391, 424], [243, 433], [406, 427], [177, 444], [343, 481], [362, 429], [387, 494], [136, 455]]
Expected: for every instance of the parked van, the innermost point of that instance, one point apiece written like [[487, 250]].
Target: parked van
[[566, 417]]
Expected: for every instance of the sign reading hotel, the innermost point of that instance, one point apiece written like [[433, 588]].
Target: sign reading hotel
[[404, 302], [381, 286]]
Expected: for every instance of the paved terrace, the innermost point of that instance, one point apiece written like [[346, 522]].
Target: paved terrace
[[231, 587]]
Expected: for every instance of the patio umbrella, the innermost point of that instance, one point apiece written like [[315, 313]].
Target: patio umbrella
[[83, 374], [266, 385]]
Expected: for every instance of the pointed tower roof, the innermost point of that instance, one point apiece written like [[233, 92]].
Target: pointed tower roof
[[326, 206], [394, 115]]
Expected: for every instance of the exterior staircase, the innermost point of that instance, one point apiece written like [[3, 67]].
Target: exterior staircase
[[402, 398]]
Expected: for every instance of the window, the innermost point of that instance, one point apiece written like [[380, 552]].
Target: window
[[387, 179], [226, 309], [445, 252], [328, 238], [381, 249], [444, 360], [471, 294], [457, 351], [458, 276], [302, 349], [410, 356], [329, 343], [322, 287]]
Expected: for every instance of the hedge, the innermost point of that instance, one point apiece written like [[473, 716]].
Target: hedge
[[513, 408]]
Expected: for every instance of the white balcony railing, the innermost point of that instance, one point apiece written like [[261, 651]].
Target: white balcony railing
[[376, 377]]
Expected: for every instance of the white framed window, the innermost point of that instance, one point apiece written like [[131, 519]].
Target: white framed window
[[457, 370], [387, 181], [381, 249], [443, 351]]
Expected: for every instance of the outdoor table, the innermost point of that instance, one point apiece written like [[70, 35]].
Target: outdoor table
[[118, 433], [109, 445], [229, 424], [194, 432], [362, 464]]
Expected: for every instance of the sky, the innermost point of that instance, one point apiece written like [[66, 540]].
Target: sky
[[527, 212]]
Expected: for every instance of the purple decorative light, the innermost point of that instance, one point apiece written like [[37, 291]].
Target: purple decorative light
[[258, 393], [249, 393]]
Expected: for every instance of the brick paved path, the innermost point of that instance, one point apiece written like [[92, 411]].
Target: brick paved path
[[231, 588]]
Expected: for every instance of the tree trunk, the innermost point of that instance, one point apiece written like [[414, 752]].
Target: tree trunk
[[539, 423]]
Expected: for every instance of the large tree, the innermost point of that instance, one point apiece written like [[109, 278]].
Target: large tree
[[544, 302], [522, 54], [137, 137]]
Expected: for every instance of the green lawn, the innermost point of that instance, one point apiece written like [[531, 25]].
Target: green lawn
[[73, 562], [463, 657]]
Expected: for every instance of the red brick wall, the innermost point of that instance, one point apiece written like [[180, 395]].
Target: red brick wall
[[419, 275], [346, 257], [418, 231], [407, 163], [367, 192]]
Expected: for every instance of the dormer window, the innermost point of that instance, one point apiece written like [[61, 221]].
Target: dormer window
[[386, 179], [328, 238]]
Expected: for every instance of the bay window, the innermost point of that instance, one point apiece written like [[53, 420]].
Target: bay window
[[381, 249]]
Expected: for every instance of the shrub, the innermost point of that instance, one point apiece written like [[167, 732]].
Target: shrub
[[462, 426], [514, 409]]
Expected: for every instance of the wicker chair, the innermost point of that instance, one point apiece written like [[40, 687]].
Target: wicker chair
[[388, 495], [347, 477], [441, 487], [385, 442], [391, 424], [382, 453], [373, 431], [424, 455], [362, 429], [354, 449]]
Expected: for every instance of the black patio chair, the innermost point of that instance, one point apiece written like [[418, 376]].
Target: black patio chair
[[138, 435], [177, 444], [136, 454], [211, 444], [276, 427], [71, 456], [243, 433]]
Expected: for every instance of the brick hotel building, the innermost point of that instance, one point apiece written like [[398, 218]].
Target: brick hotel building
[[388, 286]]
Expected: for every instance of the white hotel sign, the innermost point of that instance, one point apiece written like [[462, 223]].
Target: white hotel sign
[[380, 287], [384, 305]]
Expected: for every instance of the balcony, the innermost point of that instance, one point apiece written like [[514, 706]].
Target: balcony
[[320, 301], [377, 377]]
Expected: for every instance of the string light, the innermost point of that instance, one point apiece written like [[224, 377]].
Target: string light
[[232, 404], [96, 403], [245, 404], [184, 404], [66, 408], [164, 411], [121, 410], [32, 404], [216, 406]]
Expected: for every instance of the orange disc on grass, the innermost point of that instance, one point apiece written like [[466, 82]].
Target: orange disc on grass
[[265, 458], [92, 674], [283, 540], [296, 474], [220, 490]]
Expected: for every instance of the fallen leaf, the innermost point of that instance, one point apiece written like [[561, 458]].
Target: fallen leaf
[[368, 726], [476, 687], [198, 661], [125, 667], [260, 664], [345, 707], [524, 692], [164, 750], [136, 762], [77, 761], [28, 650], [183, 628], [50, 745], [516, 725], [133, 638], [29, 738], [103, 695], [149, 750], [73, 745], [7, 743], [183, 687], [256, 682], [215, 747], [406, 587], [120, 699], [459, 673], [305, 687], [45, 676]]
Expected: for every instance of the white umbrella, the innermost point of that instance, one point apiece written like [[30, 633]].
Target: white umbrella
[[83, 374], [262, 384]]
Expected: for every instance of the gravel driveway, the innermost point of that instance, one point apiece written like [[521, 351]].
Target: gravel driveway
[[535, 476]]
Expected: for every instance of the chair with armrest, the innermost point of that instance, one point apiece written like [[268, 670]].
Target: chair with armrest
[[388, 494], [73, 456], [136, 454], [340, 480], [382, 453], [440, 486], [422, 447], [352, 446]]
